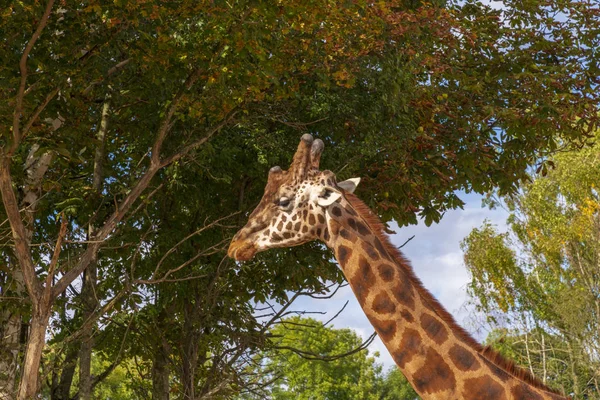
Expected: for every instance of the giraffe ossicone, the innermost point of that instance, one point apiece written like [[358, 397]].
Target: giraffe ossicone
[[437, 356]]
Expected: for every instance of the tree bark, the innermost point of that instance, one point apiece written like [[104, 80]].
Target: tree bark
[[11, 319], [35, 344], [190, 350], [10, 331], [85, 366], [573, 371], [63, 389], [88, 291], [160, 374]]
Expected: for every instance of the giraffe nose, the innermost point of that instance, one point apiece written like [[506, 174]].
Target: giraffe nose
[[241, 250]]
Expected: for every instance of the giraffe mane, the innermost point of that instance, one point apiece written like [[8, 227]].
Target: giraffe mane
[[487, 352]]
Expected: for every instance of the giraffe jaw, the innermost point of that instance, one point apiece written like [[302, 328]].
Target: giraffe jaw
[[241, 250]]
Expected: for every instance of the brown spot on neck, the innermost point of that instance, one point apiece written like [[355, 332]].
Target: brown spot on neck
[[343, 255], [385, 328], [435, 375], [463, 358], [434, 329], [383, 305], [481, 388], [348, 235], [523, 391], [362, 229], [386, 272], [410, 346], [362, 280], [370, 250]]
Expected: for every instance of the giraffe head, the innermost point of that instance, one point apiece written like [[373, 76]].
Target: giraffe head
[[293, 208]]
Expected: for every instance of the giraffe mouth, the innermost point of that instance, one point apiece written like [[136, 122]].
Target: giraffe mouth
[[241, 250]]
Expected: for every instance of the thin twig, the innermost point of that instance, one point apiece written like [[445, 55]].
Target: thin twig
[[308, 355], [57, 250], [174, 248], [406, 242], [338, 313]]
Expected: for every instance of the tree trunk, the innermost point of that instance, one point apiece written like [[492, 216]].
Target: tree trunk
[[190, 351], [10, 331], [87, 341], [10, 319], [573, 368], [88, 291], [63, 389], [85, 366], [544, 368], [35, 344], [160, 375]]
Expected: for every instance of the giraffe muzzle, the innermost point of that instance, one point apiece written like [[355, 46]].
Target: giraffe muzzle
[[241, 250]]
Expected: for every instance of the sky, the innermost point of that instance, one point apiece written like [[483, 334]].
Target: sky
[[437, 259]]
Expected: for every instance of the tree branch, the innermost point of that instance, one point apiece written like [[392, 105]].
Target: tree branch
[[166, 125], [198, 231], [23, 70], [186, 149], [19, 233], [57, 249], [110, 72], [313, 356], [38, 111], [122, 209]]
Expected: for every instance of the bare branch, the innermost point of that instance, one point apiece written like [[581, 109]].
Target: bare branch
[[185, 239], [338, 313], [152, 193], [166, 124], [57, 249], [406, 242], [308, 355], [88, 323], [183, 265]]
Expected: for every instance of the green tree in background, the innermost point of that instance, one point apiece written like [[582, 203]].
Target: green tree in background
[[546, 274], [306, 362], [351, 377], [396, 387], [310, 361]]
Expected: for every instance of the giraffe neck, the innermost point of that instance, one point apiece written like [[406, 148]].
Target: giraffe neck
[[437, 357]]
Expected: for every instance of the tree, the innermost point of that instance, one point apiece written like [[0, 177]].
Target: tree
[[132, 133], [545, 272], [310, 361], [396, 387], [544, 353]]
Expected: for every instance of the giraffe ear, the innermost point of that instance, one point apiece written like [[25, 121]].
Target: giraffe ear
[[328, 197], [349, 185]]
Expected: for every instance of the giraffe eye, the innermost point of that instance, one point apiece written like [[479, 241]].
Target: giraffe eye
[[284, 202]]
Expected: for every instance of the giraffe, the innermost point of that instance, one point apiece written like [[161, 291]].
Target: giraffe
[[437, 356]]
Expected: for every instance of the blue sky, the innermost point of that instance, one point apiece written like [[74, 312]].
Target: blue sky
[[436, 258]]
